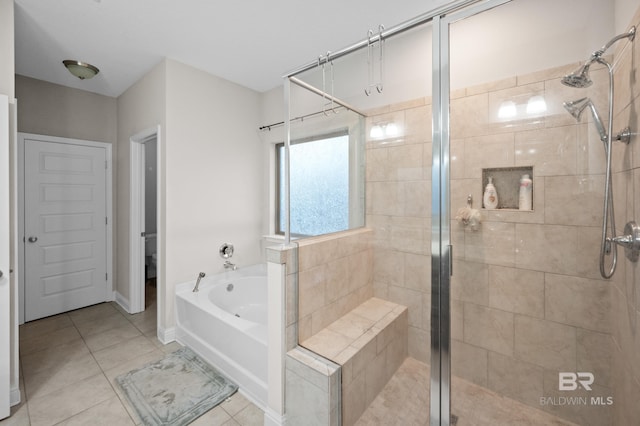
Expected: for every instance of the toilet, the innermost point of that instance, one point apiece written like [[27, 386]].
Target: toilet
[[150, 255]]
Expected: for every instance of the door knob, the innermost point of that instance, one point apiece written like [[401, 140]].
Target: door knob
[[33, 239]]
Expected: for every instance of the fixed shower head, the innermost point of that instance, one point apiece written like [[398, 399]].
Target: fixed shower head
[[579, 78], [575, 108]]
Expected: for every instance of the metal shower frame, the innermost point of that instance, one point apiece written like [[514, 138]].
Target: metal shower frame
[[441, 248]]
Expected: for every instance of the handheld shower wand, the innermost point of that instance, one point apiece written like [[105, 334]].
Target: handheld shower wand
[[580, 79], [576, 108]]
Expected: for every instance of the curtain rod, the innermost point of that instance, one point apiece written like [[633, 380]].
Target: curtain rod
[[317, 91], [405, 26], [325, 95], [301, 118]]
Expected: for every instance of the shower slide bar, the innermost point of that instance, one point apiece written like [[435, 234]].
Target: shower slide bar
[[580, 79]]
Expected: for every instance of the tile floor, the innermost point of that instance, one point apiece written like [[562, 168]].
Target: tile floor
[[69, 363], [405, 401]]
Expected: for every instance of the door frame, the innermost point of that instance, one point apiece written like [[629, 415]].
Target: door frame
[[441, 244], [136, 219], [21, 209]]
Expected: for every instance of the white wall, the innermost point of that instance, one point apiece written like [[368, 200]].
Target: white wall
[[141, 107], [517, 38], [214, 172], [7, 49]]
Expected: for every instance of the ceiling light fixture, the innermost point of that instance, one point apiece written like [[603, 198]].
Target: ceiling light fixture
[[82, 70]]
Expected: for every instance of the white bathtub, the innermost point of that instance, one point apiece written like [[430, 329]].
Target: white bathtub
[[226, 323]]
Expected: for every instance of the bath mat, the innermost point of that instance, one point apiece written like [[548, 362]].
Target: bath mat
[[176, 389]]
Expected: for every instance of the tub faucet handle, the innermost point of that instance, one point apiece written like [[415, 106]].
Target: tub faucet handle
[[200, 276]]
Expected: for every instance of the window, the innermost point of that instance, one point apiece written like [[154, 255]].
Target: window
[[319, 190]]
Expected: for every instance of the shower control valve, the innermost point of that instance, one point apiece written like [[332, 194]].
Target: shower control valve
[[630, 241], [226, 250]]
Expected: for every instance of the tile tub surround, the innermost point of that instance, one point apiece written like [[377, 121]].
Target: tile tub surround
[[370, 344]]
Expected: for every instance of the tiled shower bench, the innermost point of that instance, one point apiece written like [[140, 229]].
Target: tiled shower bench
[[369, 343]]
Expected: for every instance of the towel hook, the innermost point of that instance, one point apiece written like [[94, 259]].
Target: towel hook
[[324, 85], [333, 108], [379, 86], [367, 90]]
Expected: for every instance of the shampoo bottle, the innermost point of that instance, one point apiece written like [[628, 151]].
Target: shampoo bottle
[[490, 197], [526, 193]]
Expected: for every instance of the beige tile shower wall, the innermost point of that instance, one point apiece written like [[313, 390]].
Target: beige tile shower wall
[[399, 211], [335, 274], [528, 301], [625, 308], [527, 298]]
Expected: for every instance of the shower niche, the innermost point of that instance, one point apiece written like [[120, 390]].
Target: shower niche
[[507, 183]]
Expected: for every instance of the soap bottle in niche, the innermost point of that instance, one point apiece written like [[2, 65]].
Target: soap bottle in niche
[[490, 198], [526, 193]]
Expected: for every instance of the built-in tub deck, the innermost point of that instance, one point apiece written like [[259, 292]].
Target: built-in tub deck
[[369, 343]]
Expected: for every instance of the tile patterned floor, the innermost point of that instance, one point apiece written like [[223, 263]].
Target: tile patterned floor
[[405, 401], [69, 363]]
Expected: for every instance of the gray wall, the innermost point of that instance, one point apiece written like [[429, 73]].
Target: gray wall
[[50, 109]]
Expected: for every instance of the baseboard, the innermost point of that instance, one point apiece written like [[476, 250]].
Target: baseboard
[[14, 397], [271, 418], [122, 301], [167, 335]]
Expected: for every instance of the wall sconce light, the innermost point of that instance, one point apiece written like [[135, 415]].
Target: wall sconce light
[[384, 130], [507, 110], [376, 131], [536, 105], [82, 70]]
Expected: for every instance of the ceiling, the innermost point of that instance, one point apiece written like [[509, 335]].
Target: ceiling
[[251, 42]]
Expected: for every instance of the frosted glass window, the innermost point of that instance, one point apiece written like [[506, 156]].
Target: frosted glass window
[[319, 186]]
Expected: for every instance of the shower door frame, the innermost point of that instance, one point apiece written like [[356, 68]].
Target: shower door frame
[[441, 247]]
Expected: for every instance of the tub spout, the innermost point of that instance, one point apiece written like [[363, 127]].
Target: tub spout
[[200, 276], [229, 265]]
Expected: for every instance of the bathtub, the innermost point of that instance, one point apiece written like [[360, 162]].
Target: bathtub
[[226, 324]]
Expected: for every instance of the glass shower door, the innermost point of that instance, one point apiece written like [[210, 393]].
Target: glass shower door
[[531, 331]]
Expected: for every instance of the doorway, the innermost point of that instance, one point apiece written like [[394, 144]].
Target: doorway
[[66, 224], [144, 238]]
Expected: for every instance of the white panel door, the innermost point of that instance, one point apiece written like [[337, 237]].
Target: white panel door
[[65, 227], [5, 293]]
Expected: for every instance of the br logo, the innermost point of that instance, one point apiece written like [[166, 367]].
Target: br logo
[[569, 381]]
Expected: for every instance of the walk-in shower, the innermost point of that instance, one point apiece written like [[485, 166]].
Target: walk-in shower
[[497, 315], [581, 79]]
